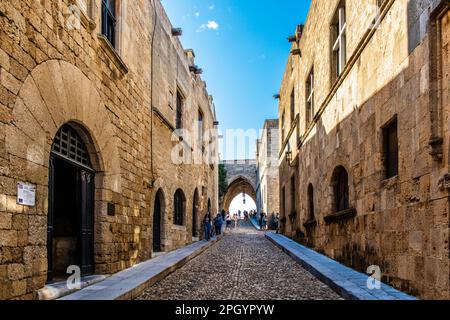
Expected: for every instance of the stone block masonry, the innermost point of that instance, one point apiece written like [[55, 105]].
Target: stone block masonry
[[339, 196], [117, 97]]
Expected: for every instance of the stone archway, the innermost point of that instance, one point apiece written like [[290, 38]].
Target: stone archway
[[56, 93], [237, 186], [241, 177]]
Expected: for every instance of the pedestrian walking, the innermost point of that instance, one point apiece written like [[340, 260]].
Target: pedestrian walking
[[277, 222], [218, 222], [236, 221], [224, 214], [207, 227], [261, 218], [228, 220], [264, 222]]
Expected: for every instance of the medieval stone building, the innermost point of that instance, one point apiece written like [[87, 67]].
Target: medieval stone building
[[267, 191], [107, 140], [365, 139]]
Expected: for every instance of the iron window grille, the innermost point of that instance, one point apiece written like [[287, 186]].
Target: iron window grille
[[68, 144]]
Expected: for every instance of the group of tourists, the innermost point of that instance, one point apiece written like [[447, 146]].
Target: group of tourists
[[269, 223], [214, 226]]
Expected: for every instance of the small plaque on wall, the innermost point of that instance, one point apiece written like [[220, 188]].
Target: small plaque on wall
[[111, 209], [26, 194]]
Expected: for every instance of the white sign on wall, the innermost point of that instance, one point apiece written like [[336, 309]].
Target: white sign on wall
[[26, 194]]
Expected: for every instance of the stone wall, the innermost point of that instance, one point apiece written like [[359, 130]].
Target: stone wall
[[55, 69], [397, 67], [241, 177], [267, 158]]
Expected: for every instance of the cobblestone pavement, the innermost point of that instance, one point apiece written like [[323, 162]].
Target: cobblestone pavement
[[239, 267]]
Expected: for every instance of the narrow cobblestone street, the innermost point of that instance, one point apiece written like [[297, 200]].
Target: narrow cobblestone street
[[242, 266]]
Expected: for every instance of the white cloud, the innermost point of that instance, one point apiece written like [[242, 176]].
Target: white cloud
[[197, 14], [212, 7], [211, 25]]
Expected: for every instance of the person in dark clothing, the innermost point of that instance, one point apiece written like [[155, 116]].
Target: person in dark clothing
[[218, 222], [207, 227], [224, 214], [261, 219]]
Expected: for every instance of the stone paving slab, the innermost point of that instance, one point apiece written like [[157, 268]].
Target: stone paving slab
[[130, 283], [57, 290], [349, 283]]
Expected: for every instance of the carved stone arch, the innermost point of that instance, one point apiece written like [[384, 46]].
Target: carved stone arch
[[57, 92], [237, 185]]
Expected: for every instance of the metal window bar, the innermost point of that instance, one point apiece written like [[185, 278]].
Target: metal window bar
[[70, 145]]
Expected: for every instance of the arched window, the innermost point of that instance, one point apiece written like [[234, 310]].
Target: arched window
[[340, 188], [311, 214], [179, 207]]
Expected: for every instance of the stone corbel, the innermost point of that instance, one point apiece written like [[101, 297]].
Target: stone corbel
[[436, 151], [444, 182], [85, 9]]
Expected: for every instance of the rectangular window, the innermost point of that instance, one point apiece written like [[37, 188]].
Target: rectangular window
[[293, 195], [109, 20], [292, 106], [310, 112], [339, 42], [179, 116], [283, 124], [283, 202], [391, 149], [200, 128]]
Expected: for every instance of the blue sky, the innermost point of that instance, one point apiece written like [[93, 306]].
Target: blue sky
[[242, 47]]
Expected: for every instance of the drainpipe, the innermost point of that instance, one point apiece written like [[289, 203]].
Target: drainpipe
[[152, 182]]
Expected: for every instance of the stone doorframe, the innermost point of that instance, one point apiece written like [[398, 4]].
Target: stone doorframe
[[55, 93]]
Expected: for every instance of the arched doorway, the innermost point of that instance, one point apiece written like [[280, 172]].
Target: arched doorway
[[70, 231], [157, 221], [195, 209]]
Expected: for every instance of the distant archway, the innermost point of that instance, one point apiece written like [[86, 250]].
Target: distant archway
[[238, 186]]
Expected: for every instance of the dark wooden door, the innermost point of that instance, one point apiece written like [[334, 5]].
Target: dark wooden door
[[50, 221], [87, 222], [157, 225]]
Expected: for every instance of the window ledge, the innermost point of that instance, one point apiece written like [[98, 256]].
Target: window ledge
[[113, 54], [178, 227], [310, 223], [391, 182], [342, 215]]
